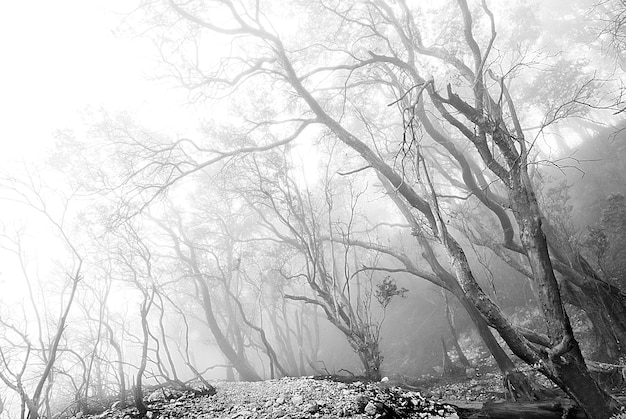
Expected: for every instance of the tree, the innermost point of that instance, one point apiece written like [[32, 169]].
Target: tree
[[190, 254], [303, 221], [32, 194], [382, 49]]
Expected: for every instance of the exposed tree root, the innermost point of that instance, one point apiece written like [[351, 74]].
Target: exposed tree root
[[518, 387]]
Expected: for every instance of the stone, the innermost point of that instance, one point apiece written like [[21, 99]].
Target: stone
[[361, 402], [118, 405], [372, 408], [311, 407], [154, 396]]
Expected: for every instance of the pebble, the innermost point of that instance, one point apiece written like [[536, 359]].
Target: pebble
[[311, 407], [295, 398], [372, 408]]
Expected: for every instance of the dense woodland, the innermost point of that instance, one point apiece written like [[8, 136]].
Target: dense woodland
[[367, 181]]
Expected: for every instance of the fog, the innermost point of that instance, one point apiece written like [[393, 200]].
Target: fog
[[245, 190]]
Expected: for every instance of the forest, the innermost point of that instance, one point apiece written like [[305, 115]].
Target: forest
[[380, 190]]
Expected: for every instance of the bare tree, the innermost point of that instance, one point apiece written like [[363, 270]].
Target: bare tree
[[31, 193], [385, 46]]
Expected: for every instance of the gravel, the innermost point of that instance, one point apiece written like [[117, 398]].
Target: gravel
[[287, 398]]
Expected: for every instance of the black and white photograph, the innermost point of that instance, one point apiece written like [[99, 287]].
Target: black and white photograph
[[294, 209]]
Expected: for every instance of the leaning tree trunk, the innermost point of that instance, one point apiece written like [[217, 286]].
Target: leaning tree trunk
[[238, 361], [604, 303], [243, 367], [455, 338], [518, 386], [564, 363], [606, 342]]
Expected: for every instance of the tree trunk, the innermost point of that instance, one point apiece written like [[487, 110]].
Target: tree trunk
[[455, 339], [555, 409], [366, 347], [300, 339], [119, 364], [246, 372], [449, 368], [370, 359], [604, 304], [516, 384], [237, 360], [606, 344], [282, 337], [564, 364], [145, 308]]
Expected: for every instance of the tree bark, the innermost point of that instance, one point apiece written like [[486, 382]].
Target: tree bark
[[564, 362], [455, 338]]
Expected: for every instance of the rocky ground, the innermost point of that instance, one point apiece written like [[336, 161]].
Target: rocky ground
[[287, 398], [331, 397]]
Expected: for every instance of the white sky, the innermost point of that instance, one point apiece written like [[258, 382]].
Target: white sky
[[58, 57]]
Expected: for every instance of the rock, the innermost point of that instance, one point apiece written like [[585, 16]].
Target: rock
[[373, 408], [311, 407], [470, 372], [118, 405], [297, 400], [280, 400], [361, 402], [154, 396]]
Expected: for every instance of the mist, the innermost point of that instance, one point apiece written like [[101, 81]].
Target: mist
[[243, 191]]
